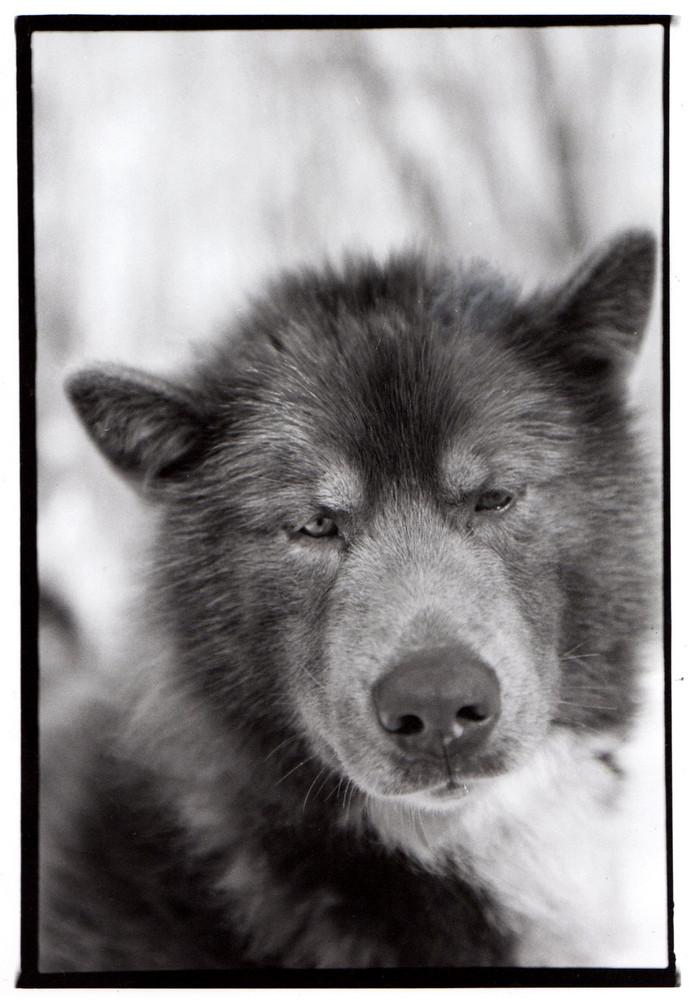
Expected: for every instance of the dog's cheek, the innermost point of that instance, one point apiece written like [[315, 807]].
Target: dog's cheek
[[308, 574]]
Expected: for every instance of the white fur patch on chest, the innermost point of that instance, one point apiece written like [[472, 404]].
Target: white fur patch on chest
[[543, 840]]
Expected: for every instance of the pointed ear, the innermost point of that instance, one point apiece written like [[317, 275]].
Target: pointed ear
[[147, 428], [598, 317]]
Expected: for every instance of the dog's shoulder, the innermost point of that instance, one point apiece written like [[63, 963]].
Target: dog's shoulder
[[119, 887]]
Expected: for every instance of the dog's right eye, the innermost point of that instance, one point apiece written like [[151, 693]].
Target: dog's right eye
[[493, 500], [320, 527]]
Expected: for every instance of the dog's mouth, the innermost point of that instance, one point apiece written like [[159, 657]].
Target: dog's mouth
[[436, 780], [454, 785], [452, 789], [433, 798]]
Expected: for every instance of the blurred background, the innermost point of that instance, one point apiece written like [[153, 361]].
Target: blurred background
[[176, 171]]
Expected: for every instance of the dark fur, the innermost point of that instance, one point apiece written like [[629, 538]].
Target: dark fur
[[261, 637]]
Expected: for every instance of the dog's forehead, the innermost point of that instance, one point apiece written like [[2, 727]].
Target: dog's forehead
[[460, 465], [397, 397], [340, 486]]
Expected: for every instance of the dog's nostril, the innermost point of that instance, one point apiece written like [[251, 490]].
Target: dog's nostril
[[409, 724], [472, 713]]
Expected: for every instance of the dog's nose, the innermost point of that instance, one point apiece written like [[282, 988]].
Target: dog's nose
[[438, 701]]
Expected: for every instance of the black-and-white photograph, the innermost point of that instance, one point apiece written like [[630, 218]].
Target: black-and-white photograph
[[349, 429]]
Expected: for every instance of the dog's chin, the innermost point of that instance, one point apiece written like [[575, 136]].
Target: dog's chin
[[441, 798]]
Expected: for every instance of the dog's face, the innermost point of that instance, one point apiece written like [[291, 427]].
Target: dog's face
[[378, 502], [403, 498]]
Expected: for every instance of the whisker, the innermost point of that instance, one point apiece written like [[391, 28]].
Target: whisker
[[574, 648], [593, 687], [587, 704], [349, 790], [296, 768], [344, 793], [315, 680], [335, 790], [339, 786], [322, 771], [422, 828], [290, 739]]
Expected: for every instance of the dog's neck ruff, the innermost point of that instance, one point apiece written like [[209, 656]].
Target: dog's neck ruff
[[542, 842]]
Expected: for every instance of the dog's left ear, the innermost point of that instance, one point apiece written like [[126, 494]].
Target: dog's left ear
[[597, 318]]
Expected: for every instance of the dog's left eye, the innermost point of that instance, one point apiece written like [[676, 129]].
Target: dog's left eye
[[320, 527], [494, 500]]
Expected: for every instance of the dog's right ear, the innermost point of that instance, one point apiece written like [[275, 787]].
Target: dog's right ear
[[146, 427]]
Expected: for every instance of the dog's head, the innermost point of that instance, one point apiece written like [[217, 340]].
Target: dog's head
[[402, 513]]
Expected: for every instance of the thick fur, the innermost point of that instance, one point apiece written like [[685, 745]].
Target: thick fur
[[236, 802]]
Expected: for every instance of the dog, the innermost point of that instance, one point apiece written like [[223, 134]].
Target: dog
[[390, 639]]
